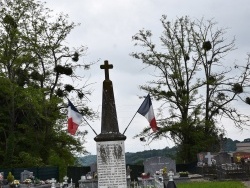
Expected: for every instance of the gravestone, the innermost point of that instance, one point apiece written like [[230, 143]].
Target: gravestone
[[93, 167], [154, 164], [111, 166], [26, 175], [223, 158], [205, 158], [84, 183]]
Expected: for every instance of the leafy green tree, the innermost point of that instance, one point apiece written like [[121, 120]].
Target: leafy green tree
[[194, 82], [37, 69]]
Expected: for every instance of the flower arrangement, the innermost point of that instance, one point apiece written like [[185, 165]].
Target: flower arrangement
[[183, 174], [42, 182], [95, 175], [37, 181], [145, 175], [47, 181], [16, 182], [27, 181], [164, 170]]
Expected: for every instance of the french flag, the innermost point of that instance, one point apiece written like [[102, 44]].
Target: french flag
[[74, 118], [146, 110]]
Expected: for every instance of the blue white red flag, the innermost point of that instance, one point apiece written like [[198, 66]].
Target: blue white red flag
[[74, 118], [146, 110]]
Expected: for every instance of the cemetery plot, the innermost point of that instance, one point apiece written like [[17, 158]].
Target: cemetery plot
[[223, 165], [154, 164], [231, 171]]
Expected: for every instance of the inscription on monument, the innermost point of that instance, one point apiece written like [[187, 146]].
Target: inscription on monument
[[111, 164]]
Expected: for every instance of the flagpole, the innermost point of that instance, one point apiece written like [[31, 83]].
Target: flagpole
[[134, 116], [89, 125], [130, 122]]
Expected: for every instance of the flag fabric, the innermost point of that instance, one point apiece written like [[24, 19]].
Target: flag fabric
[[74, 118], [146, 110]]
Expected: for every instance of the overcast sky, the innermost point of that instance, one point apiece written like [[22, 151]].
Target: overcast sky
[[107, 27]]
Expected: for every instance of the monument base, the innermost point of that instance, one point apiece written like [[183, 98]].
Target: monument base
[[111, 164]]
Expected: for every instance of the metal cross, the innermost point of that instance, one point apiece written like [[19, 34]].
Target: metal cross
[[106, 67]]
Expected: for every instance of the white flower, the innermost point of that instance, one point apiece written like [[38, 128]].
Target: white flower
[[27, 181], [16, 182]]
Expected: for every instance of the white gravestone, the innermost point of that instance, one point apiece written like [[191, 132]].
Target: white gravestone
[[111, 164]]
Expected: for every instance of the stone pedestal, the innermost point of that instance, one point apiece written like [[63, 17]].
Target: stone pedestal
[[111, 164]]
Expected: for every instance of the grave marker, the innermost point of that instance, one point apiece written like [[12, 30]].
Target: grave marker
[[26, 175], [209, 158], [53, 183], [93, 168], [111, 165], [154, 164], [223, 158]]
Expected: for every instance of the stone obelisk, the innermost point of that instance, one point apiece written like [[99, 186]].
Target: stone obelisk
[[111, 165]]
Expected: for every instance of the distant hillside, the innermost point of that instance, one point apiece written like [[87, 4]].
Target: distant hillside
[[138, 157], [87, 160], [133, 158]]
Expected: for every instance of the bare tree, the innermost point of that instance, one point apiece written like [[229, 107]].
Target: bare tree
[[193, 82]]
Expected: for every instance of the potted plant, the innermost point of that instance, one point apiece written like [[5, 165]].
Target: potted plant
[[183, 174], [165, 172], [10, 178]]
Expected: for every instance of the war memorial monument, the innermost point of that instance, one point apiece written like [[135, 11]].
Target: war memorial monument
[[111, 165]]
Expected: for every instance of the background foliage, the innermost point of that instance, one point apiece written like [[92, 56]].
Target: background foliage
[[37, 69], [194, 84]]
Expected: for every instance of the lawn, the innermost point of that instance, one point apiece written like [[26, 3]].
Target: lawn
[[224, 184]]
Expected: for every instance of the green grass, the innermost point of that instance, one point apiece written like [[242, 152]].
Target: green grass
[[224, 184]]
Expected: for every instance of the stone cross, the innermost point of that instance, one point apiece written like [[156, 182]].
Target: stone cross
[[65, 178], [53, 183], [106, 68], [171, 183], [170, 175], [209, 158]]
